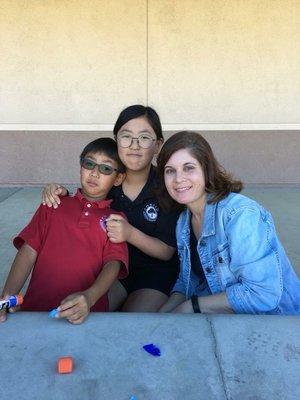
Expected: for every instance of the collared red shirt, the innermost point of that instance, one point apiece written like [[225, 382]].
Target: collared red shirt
[[72, 247]]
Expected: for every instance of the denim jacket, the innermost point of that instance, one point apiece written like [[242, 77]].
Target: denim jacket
[[242, 256]]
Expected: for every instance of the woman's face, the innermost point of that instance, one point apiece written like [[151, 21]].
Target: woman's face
[[184, 179], [137, 134]]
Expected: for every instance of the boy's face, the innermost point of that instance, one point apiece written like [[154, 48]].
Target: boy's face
[[96, 185]]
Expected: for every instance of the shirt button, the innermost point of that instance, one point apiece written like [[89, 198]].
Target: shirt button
[[208, 270], [86, 214], [89, 205]]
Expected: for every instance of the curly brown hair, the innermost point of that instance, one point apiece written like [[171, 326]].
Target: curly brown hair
[[218, 182]]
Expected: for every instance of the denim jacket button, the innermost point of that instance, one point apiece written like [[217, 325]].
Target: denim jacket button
[[208, 270], [202, 243]]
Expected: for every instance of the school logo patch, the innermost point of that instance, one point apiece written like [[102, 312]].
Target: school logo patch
[[150, 212], [102, 222]]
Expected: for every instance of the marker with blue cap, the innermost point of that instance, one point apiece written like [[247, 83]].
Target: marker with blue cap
[[12, 301], [53, 313]]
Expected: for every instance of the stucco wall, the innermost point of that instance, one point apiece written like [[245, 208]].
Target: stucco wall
[[68, 67]]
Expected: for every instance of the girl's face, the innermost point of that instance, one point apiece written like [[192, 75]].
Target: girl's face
[[184, 179], [137, 134]]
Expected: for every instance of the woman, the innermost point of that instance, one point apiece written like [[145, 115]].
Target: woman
[[149, 232], [231, 259]]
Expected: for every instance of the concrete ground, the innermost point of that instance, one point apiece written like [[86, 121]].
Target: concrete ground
[[203, 357]]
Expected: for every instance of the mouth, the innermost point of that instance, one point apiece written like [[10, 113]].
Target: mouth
[[134, 155], [182, 189], [92, 184]]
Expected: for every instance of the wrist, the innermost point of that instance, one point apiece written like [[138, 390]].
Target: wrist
[[195, 304], [90, 300], [131, 233]]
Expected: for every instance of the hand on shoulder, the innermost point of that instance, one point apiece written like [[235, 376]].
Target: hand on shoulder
[[51, 193]]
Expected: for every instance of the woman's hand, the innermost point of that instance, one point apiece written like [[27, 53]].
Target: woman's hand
[[51, 193], [118, 228], [185, 307], [75, 308]]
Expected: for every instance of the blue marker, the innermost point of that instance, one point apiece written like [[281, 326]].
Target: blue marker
[[53, 313], [12, 301]]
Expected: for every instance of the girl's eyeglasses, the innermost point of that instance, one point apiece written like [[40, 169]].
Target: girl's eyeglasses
[[144, 141], [102, 168]]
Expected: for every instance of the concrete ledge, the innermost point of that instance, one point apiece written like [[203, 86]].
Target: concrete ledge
[[220, 357]]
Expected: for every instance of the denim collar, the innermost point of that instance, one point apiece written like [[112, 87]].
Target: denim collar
[[208, 226]]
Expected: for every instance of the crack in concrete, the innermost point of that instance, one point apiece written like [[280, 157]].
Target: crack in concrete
[[217, 354]]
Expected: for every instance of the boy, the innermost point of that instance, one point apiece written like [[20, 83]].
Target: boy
[[73, 261]]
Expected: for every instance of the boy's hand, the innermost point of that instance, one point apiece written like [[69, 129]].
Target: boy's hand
[[3, 313], [118, 228], [51, 193], [75, 308]]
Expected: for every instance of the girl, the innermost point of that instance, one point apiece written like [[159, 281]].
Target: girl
[[149, 232], [231, 259]]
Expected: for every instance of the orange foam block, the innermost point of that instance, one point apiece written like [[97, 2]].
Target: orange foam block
[[65, 365]]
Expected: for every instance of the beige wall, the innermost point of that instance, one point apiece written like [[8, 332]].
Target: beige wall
[[68, 67], [235, 61], [71, 61]]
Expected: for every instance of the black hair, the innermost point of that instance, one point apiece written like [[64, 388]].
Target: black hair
[[137, 111], [104, 145]]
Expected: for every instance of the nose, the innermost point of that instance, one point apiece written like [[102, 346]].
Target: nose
[[95, 171], [135, 144], [179, 176]]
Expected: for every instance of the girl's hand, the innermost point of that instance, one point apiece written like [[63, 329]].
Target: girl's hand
[[118, 228], [75, 308], [51, 193]]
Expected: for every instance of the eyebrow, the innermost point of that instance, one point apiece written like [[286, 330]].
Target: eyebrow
[[187, 163], [129, 131], [106, 161]]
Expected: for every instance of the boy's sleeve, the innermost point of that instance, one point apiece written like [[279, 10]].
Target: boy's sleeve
[[117, 252], [34, 232]]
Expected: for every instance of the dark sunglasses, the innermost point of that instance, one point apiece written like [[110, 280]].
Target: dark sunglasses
[[102, 168]]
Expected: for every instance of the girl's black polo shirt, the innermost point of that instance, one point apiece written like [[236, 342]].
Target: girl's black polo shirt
[[145, 214]]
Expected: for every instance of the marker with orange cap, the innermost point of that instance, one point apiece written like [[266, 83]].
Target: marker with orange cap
[[12, 301]]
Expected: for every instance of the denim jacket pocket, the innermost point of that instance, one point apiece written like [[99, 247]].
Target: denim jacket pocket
[[221, 261]]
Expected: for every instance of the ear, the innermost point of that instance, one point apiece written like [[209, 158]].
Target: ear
[[158, 145], [119, 178]]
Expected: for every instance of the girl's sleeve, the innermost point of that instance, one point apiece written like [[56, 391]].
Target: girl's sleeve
[[166, 226], [254, 260]]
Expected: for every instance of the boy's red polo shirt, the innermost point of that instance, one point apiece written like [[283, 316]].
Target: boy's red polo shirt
[[72, 247]]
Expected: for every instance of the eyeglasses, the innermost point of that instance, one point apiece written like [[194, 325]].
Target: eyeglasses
[[104, 169], [144, 141]]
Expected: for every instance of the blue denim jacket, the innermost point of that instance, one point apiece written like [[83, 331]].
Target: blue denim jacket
[[241, 255]]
